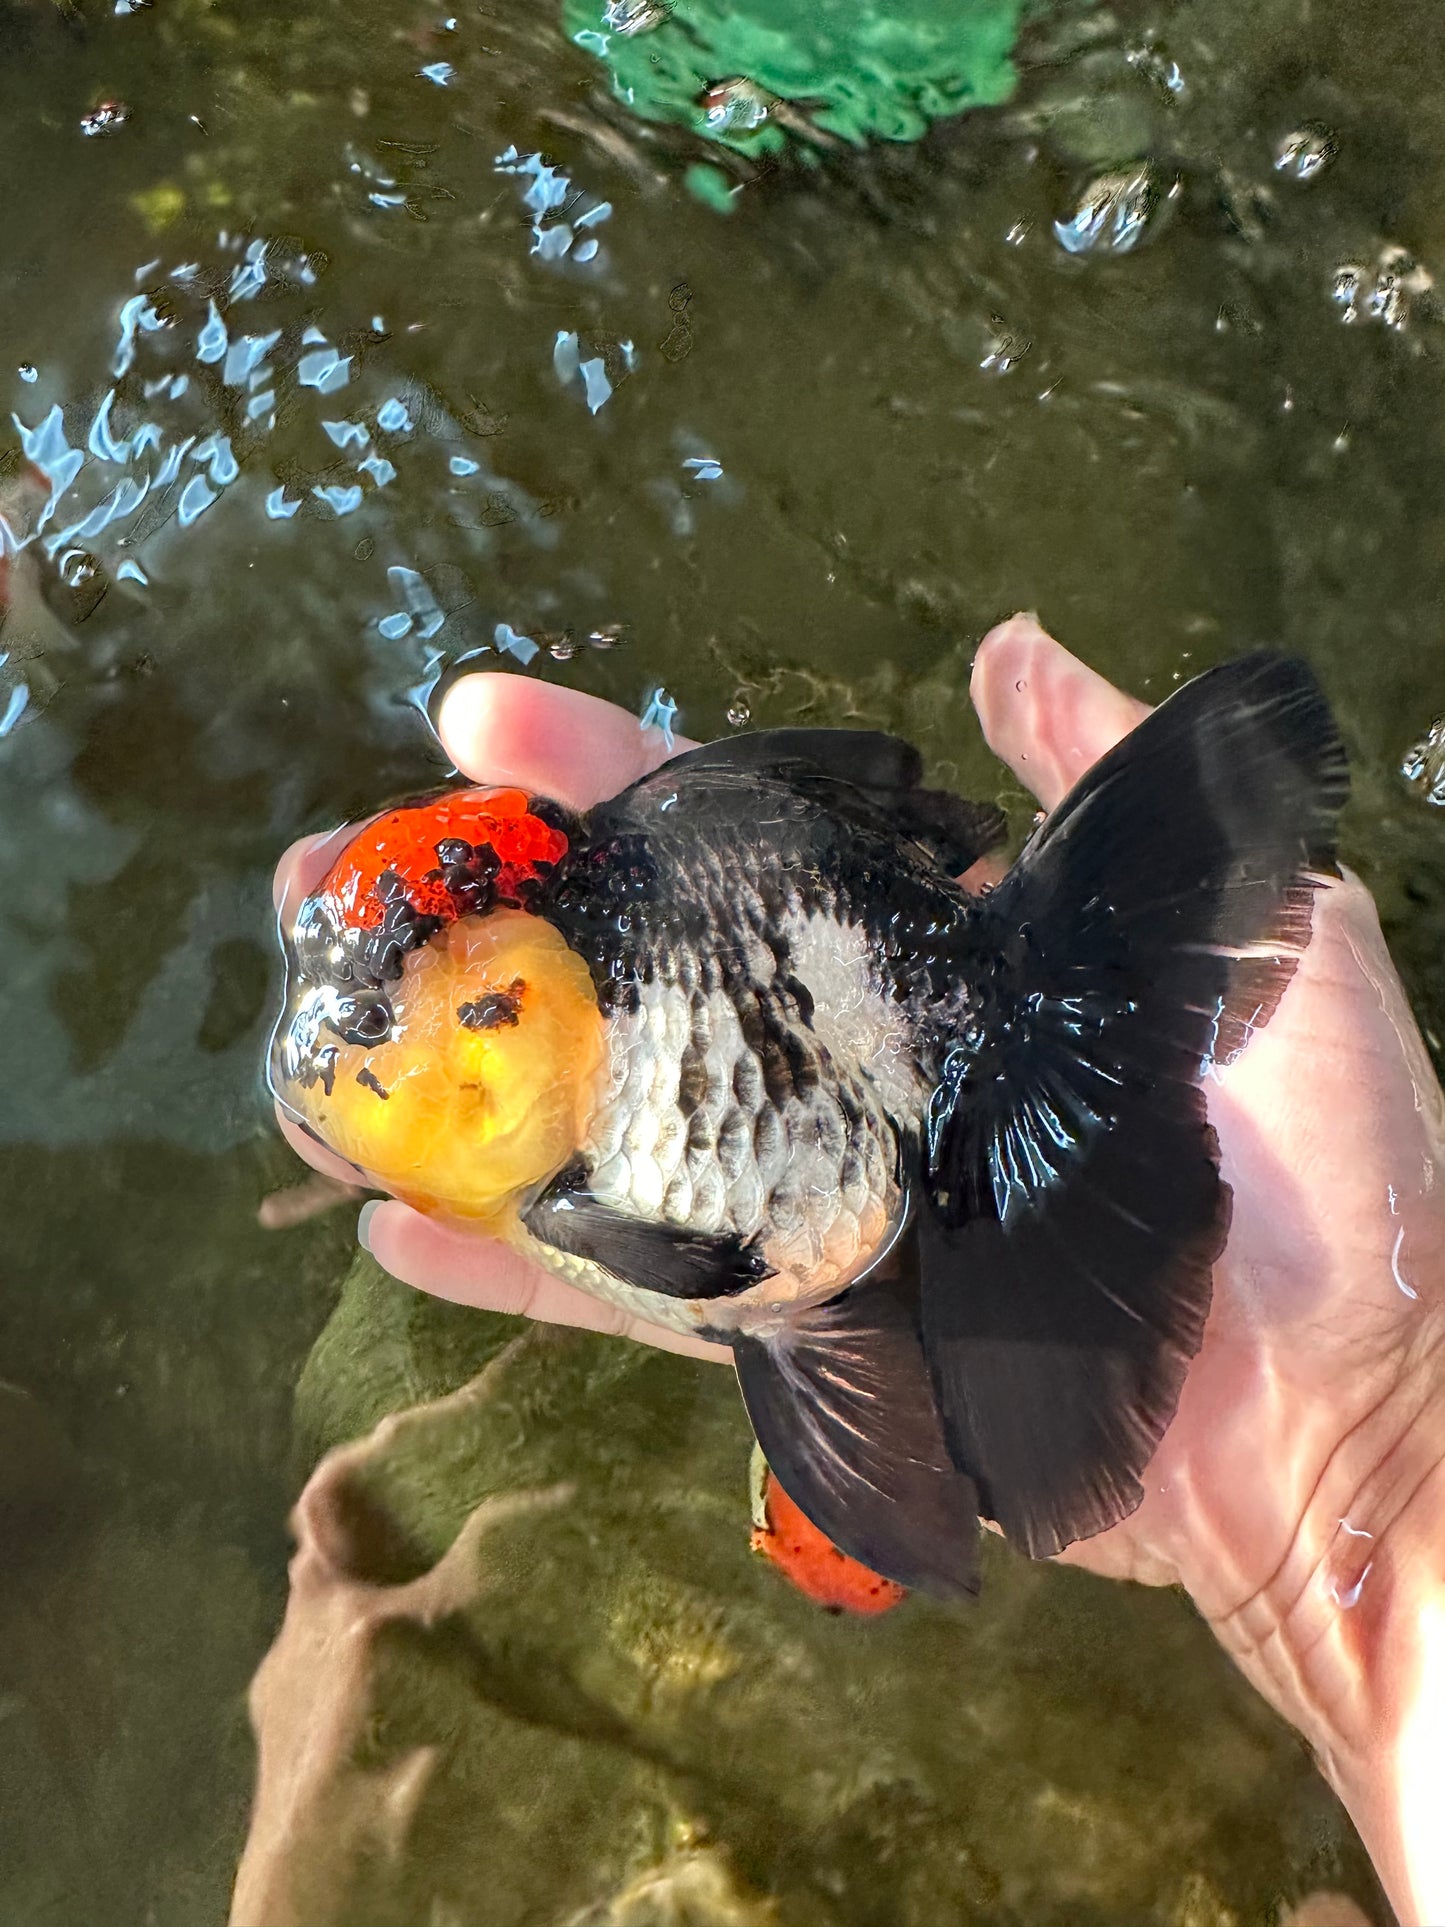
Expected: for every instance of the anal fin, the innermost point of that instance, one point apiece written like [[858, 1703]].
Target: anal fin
[[845, 1413]]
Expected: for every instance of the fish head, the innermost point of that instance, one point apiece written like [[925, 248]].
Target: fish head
[[438, 1031]]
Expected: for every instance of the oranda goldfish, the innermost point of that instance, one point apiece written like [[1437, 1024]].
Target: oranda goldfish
[[736, 1051]]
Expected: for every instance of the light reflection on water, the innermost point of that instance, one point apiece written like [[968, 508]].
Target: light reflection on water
[[352, 346]]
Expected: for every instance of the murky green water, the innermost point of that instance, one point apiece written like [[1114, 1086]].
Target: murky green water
[[837, 434]]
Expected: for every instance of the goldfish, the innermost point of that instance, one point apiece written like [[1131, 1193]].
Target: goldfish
[[736, 1051]]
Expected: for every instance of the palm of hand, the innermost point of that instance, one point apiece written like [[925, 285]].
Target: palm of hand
[[1327, 1302], [1297, 1444]]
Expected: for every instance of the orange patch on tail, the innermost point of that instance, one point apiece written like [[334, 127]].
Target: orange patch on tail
[[792, 1543]]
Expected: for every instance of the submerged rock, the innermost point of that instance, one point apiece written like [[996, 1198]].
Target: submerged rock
[[531, 1671]]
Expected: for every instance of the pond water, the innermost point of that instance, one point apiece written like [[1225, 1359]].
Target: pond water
[[353, 341]]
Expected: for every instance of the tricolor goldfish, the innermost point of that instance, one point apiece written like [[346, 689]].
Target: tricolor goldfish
[[736, 1051]]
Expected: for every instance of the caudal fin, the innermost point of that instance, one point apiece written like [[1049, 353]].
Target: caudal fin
[[1075, 1208]]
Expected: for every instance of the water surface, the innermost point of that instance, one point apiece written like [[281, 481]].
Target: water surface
[[327, 406]]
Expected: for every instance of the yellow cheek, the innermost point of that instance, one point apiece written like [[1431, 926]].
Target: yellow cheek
[[471, 1116]]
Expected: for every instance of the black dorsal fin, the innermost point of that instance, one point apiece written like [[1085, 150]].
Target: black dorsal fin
[[842, 766]]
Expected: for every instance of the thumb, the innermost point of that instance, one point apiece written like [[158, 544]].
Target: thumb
[[1043, 712]]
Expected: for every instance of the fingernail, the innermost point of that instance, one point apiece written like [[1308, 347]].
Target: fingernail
[[363, 1222]]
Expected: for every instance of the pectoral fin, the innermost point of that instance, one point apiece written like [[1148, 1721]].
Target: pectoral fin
[[656, 1257]]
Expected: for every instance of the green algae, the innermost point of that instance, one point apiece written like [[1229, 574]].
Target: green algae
[[852, 70]]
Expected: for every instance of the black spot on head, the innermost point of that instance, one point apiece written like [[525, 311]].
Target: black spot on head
[[552, 814], [802, 997], [372, 1083], [777, 1072], [495, 1008], [802, 1063], [389, 962], [748, 1082], [363, 1019]]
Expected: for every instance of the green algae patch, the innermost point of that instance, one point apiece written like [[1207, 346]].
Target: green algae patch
[[752, 75], [711, 186]]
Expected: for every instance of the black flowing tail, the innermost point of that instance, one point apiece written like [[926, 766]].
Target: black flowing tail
[[1075, 1205], [1072, 1206]]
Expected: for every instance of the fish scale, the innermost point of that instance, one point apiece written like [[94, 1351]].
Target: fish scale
[[699, 1129]]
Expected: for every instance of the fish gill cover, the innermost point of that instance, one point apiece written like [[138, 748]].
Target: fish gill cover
[[748, 73]]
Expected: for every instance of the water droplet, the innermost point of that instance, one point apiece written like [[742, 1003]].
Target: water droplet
[[1157, 67], [1115, 212], [77, 568], [106, 117], [735, 106], [629, 17], [85, 581], [660, 713], [1385, 293], [739, 712], [1305, 153], [1005, 350], [1424, 764], [1021, 685]]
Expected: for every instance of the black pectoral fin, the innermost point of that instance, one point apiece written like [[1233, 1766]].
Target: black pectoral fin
[[658, 1257], [1076, 1208], [845, 1412]]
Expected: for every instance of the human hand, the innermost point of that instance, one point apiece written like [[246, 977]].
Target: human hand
[[1299, 1493], [1296, 1491]]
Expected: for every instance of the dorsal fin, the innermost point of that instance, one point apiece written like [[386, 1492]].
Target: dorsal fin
[[861, 772]]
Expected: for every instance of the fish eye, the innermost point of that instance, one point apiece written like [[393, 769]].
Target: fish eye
[[360, 1019]]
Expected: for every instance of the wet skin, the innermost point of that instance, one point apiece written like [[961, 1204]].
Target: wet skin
[[1296, 1493]]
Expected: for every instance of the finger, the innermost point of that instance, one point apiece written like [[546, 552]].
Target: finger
[[471, 1269], [317, 1155], [299, 1203], [1045, 713], [304, 865], [560, 743]]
